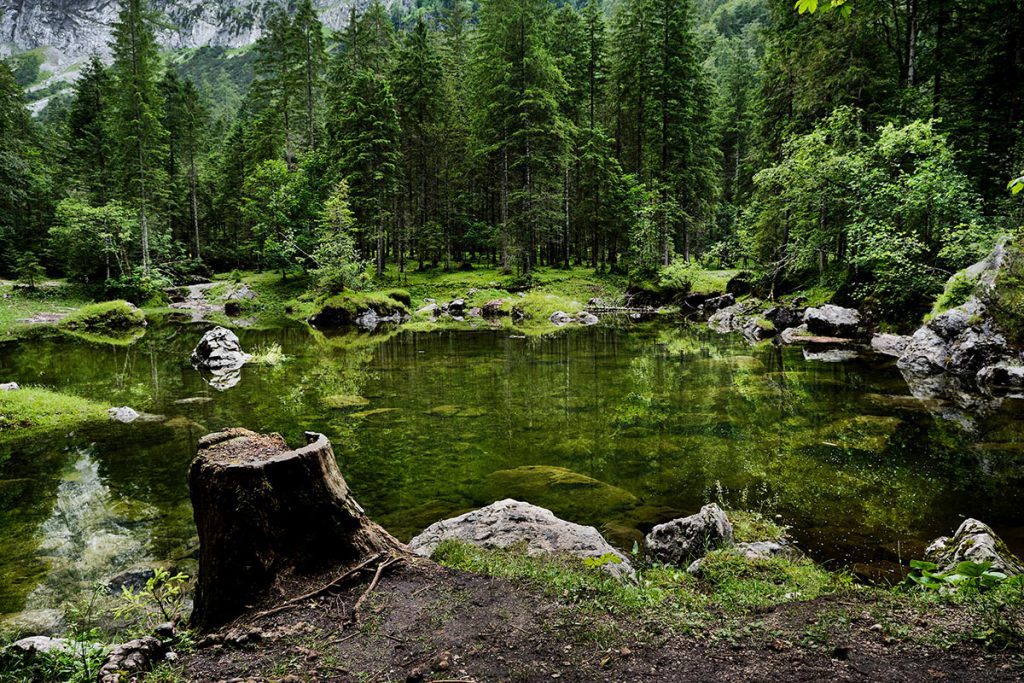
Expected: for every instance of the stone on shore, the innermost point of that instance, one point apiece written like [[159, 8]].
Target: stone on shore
[[973, 541], [833, 321], [683, 540], [510, 522]]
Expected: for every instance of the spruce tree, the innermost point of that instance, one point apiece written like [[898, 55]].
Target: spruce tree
[[139, 136], [90, 144], [369, 138]]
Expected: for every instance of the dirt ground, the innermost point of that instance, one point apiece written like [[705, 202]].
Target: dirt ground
[[423, 622]]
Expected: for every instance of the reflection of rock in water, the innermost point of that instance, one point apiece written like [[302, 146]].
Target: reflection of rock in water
[[87, 536], [223, 379], [951, 398]]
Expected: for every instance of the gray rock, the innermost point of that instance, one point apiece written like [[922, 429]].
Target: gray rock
[[584, 318], [1002, 376], [831, 355], [240, 293], [492, 309], [927, 353], [475, 312], [133, 578], [560, 318], [9, 386], [974, 541], [975, 348], [219, 349], [509, 522], [890, 344], [124, 414], [755, 550], [794, 335], [756, 329], [456, 306], [833, 321], [41, 645], [951, 323], [134, 657], [717, 303], [733, 318], [430, 309], [683, 540], [784, 317]]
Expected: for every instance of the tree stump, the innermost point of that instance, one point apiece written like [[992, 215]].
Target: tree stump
[[263, 510]]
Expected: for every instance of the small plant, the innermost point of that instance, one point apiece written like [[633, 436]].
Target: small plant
[[268, 355], [602, 560], [977, 575], [162, 599]]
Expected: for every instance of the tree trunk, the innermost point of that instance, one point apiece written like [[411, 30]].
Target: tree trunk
[[262, 511]]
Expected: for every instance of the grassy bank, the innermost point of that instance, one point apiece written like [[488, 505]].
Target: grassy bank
[[52, 300], [32, 410]]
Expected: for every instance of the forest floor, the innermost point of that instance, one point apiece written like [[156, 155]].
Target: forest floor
[[425, 622]]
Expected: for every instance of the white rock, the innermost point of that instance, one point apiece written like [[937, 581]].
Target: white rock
[[9, 386], [123, 414], [509, 522]]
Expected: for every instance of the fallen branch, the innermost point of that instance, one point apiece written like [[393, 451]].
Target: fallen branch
[[373, 584], [323, 589]]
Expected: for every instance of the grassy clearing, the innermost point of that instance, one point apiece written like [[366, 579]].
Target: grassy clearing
[[108, 315], [20, 303], [31, 410]]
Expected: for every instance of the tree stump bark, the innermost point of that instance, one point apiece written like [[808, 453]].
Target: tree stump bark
[[262, 510]]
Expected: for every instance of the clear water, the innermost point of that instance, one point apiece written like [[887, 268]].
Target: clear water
[[648, 422]]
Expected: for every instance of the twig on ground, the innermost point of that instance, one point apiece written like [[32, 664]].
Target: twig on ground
[[373, 584], [323, 589]]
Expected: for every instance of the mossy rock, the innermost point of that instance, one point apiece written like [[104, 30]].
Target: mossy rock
[[862, 432], [109, 315], [343, 309], [570, 495], [345, 401], [370, 413]]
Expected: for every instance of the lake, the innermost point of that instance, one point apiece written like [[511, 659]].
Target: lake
[[621, 426]]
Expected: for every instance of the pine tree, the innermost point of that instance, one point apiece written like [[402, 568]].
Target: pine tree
[[369, 137], [278, 86], [521, 129], [419, 94], [90, 146], [139, 135], [308, 32]]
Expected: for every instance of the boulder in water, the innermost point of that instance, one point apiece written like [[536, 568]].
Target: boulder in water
[[219, 349], [833, 321], [510, 522], [683, 540]]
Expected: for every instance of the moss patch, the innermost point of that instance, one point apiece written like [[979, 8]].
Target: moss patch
[[33, 410], [1007, 303], [345, 401], [957, 291], [109, 315]]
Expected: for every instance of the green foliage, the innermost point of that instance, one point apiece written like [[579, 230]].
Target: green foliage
[[894, 211], [162, 599], [338, 263], [958, 290], [974, 575], [109, 315], [94, 242], [29, 271]]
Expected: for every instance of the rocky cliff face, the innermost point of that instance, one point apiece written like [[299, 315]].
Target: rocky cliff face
[[74, 29]]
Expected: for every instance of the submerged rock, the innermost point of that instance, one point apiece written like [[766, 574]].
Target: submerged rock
[[683, 540], [510, 522], [973, 541], [569, 494], [833, 321]]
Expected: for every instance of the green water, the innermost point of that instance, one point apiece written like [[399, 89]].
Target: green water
[[648, 422]]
